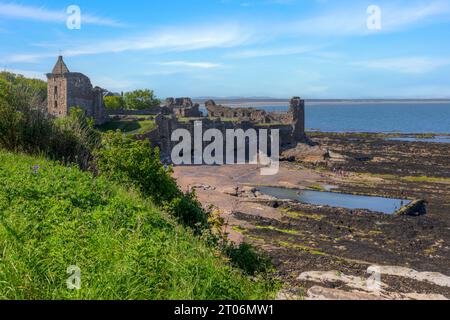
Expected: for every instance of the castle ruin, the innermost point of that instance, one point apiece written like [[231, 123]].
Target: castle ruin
[[72, 89], [183, 107], [291, 125]]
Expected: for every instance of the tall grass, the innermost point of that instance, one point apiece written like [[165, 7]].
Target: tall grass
[[52, 217]]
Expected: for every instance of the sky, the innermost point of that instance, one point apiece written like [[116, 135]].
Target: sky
[[316, 49]]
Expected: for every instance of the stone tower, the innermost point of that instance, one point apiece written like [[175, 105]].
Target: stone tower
[[297, 112], [71, 89]]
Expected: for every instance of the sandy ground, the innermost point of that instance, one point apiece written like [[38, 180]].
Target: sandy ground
[[224, 178], [307, 243]]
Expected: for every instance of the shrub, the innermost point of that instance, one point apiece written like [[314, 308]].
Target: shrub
[[25, 126], [75, 139], [248, 258], [135, 163], [188, 211]]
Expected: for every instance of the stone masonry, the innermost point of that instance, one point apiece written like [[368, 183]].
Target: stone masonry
[[291, 125], [71, 89], [183, 107]]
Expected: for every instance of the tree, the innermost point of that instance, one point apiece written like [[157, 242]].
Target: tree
[[141, 100], [34, 89], [114, 103]]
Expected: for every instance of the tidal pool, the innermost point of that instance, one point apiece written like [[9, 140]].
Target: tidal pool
[[338, 200]]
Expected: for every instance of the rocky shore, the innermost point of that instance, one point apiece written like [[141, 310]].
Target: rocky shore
[[323, 252]]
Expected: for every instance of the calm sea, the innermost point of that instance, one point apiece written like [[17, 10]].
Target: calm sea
[[376, 117]]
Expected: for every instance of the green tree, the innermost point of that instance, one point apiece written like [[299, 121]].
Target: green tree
[[141, 100], [114, 103], [33, 88]]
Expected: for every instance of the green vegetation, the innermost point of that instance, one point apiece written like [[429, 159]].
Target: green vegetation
[[123, 221], [140, 100], [186, 120], [298, 215], [129, 126], [318, 188], [26, 127], [30, 87], [53, 217], [426, 179], [135, 100], [114, 103], [270, 124], [246, 257], [410, 178], [302, 248], [293, 232]]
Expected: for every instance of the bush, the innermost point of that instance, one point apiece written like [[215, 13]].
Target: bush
[[188, 211], [248, 258], [75, 139], [135, 163], [25, 126]]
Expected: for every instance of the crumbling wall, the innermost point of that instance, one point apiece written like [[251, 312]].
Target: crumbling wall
[[183, 107], [295, 117], [246, 114], [161, 136]]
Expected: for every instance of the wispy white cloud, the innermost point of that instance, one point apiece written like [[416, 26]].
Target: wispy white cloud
[[178, 39], [397, 18], [268, 52], [353, 20], [200, 65], [409, 65], [122, 84], [17, 11]]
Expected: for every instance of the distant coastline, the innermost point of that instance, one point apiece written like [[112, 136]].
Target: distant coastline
[[259, 102]]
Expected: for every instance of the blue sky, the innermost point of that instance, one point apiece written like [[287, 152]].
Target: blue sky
[[276, 48]]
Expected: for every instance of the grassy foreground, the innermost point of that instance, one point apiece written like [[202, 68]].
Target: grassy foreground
[[53, 217]]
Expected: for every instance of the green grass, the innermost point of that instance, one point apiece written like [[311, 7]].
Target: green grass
[[302, 248], [299, 215], [411, 178], [272, 124], [293, 232], [128, 126], [426, 179], [318, 187], [125, 247]]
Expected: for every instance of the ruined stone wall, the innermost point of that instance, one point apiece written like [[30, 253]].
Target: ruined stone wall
[[183, 107], [246, 114], [295, 117], [80, 93], [161, 137], [291, 125], [297, 112]]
